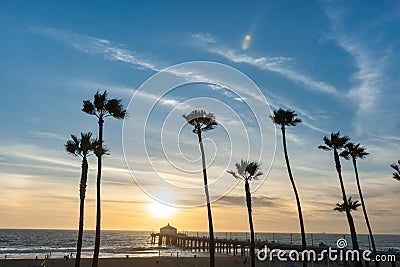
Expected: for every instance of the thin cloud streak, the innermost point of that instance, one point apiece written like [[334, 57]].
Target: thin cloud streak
[[369, 74], [369, 77], [97, 46], [275, 64], [49, 135]]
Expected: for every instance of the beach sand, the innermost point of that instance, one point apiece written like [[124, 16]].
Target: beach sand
[[159, 262]]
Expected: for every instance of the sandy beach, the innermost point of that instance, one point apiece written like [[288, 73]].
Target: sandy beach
[[163, 261]]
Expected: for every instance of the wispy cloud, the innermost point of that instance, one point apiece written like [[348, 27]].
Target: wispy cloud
[[371, 59], [261, 201], [369, 75], [34, 153], [278, 64], [49, 135], [97, 46]]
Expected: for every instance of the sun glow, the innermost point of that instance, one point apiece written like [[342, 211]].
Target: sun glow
[[160, 210]]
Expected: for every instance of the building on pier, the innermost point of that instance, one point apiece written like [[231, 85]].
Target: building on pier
[[168, 230]]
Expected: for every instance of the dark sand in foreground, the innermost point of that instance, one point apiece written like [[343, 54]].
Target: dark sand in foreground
[[159, 262]]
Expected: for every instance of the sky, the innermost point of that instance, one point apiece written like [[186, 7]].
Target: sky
[[335, 63]]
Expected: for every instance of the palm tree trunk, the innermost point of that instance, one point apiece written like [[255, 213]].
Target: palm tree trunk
[[98, 200], [364, 210], [303, 232], [249, 211], [348, 214], [82, 193], [210, 222]]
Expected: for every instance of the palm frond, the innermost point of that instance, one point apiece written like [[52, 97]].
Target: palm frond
[[396, 175], [339, 141], [115, 108], [253, 168], [100, 100], [353, 151], [100, 150], [285, 117], [201, 120], [345, 154], [234, 175], [246, 170], [72, 147], [339, 207], [353, 205], [88, 107], [327, 141], [80, 147], [87, 143], [334, 142], [258, 174], [241, 167], [324, 148], [395, 167]]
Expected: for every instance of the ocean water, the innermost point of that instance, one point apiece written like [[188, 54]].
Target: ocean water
[[28, 244]]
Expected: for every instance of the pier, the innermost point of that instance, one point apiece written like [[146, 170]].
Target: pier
[[194, 243], [168, 236]]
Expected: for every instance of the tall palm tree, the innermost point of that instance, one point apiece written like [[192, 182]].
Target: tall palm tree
[[82, 147], [289, 118], [203, 121], [396, 174], [353, 205], [102, 107], [356, 151], [335, 143], [248, 171]]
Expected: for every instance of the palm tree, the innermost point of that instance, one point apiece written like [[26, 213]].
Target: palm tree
[[248, 171], [82, 147], [356, 151], [353, 205], [203, 122], [396, 174], [335, 143], [289, 118], [102, 107]]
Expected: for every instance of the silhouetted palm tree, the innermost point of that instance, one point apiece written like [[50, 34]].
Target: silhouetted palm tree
[[353, 205], [203, 122], [289, 118], [248, 171], [396, 175], [356, 151], [82, 147], [102, 107], [335, 143]]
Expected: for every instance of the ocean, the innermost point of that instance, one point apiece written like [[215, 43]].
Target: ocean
[[28, 244]]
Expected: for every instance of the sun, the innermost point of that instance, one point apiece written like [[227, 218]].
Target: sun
[[160, 210]]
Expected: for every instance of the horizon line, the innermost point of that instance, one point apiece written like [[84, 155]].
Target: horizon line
[[152, 230]]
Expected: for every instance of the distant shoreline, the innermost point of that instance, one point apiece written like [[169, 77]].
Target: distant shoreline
[[200, 231]]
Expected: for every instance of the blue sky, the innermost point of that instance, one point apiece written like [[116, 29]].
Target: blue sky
[[335, 63]]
